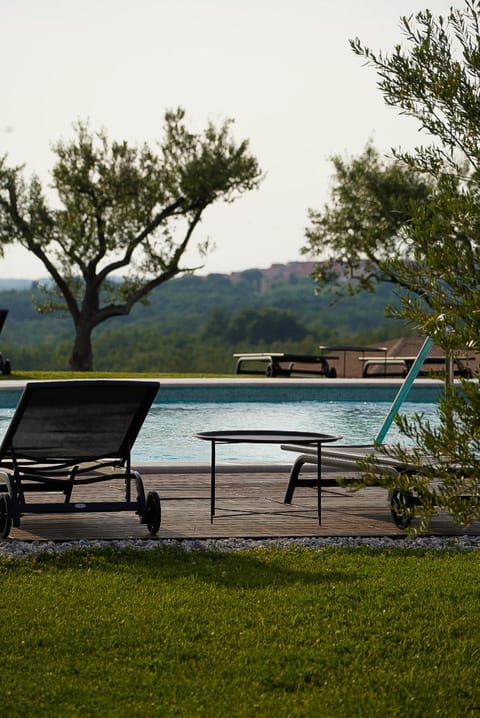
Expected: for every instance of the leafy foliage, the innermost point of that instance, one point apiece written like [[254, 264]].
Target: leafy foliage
[[121, 209], [365, 224], [435, 78], [442, 471]]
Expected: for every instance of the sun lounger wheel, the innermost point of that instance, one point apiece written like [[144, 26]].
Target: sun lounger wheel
[[402, 507], [5, 515], [154, 512]]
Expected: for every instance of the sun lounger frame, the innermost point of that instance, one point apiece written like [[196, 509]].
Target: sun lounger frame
[[52, 446], [283, 364], [347, 458]]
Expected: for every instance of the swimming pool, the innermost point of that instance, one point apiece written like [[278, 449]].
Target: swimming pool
[[167, 432], [354, 410]]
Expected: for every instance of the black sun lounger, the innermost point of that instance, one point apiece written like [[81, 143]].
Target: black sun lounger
[[349, 458], [64, 434]]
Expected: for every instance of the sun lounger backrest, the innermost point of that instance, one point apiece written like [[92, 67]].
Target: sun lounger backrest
[[3, 316], [81, 420]]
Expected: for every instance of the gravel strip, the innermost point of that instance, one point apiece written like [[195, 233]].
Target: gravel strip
[[20, 549]]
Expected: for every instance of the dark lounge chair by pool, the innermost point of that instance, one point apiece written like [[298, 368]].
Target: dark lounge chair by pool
[[65, 434]]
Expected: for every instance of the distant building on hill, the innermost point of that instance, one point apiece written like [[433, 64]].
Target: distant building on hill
[[277, 273]]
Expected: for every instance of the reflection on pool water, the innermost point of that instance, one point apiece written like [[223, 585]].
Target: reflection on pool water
[[167, 434]]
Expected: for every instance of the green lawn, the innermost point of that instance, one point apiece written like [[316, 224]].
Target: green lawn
[[264, 632]]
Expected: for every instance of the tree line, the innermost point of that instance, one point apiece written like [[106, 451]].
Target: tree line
[[195, 324]]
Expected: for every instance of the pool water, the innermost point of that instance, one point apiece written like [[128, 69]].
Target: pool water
[[167, 434], [355, 412]]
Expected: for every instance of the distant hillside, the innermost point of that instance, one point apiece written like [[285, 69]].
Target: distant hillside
[[218, 314], [6, 284], [273, 274]]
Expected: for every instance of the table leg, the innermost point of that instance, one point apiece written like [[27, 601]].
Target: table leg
[[212, 483], [319, 480]]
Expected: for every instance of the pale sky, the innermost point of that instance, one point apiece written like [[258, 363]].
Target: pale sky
[[283, 69]]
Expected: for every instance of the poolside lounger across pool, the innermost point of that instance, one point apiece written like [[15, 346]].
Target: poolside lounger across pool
[[282, 364]]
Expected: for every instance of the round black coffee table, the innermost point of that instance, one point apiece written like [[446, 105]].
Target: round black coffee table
[[246, 436]]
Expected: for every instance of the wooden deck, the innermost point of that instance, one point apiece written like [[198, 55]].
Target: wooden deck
[[249, 504]]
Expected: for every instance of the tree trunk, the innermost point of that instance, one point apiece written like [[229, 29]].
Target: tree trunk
[[81, 358]]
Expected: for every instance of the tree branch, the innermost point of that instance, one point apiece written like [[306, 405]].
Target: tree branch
[[140, 237]]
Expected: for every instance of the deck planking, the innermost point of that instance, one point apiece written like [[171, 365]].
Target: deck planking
[[248, 504]]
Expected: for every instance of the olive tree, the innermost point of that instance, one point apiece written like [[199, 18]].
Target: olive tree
[[118, 219], [364, 224], [434, 77]]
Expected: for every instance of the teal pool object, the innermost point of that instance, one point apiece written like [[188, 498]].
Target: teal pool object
[[354, 410], [404, 389]]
